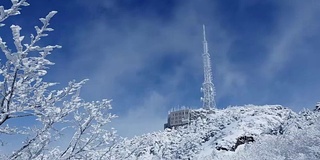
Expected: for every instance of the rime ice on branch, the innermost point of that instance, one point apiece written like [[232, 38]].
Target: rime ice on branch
[[55, 117]]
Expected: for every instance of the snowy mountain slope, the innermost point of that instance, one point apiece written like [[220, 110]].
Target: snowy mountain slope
[[227, 125], [300, 140], [216, 133]]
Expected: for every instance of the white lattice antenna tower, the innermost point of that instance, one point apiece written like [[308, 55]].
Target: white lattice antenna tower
[[207, 86]]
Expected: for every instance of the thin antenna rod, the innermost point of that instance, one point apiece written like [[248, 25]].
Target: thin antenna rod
[[204, 33]]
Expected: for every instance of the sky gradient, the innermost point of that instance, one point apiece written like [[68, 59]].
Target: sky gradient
[[146, 54]]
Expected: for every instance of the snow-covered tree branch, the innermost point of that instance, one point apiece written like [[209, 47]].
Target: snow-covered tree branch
[[57, 115], [12, 11]]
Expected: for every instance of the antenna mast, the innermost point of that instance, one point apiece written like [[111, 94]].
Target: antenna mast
[[207, 86]]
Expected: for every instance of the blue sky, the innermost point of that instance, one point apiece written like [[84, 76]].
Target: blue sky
[[146, 54]]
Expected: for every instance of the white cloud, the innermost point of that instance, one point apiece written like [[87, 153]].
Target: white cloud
[[293, 26], [146, 117]]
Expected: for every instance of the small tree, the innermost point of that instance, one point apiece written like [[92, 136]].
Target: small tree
[[59, 114]]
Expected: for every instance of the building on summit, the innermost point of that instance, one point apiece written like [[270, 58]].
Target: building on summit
[[178, 118]]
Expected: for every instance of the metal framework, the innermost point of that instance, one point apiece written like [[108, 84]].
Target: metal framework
[[207, 86]]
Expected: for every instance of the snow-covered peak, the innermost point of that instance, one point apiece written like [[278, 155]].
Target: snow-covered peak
[[210, 132]]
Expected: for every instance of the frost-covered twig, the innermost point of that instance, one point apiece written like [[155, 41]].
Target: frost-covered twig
[[24, 93], [14, 10], [21, 63]]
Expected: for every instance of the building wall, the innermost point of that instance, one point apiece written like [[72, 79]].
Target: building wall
[[178, 118]]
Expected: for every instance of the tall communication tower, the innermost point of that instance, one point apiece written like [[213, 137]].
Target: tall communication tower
[[207, 86]]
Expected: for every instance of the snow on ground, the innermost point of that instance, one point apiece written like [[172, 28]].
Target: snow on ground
[[211, 133]]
